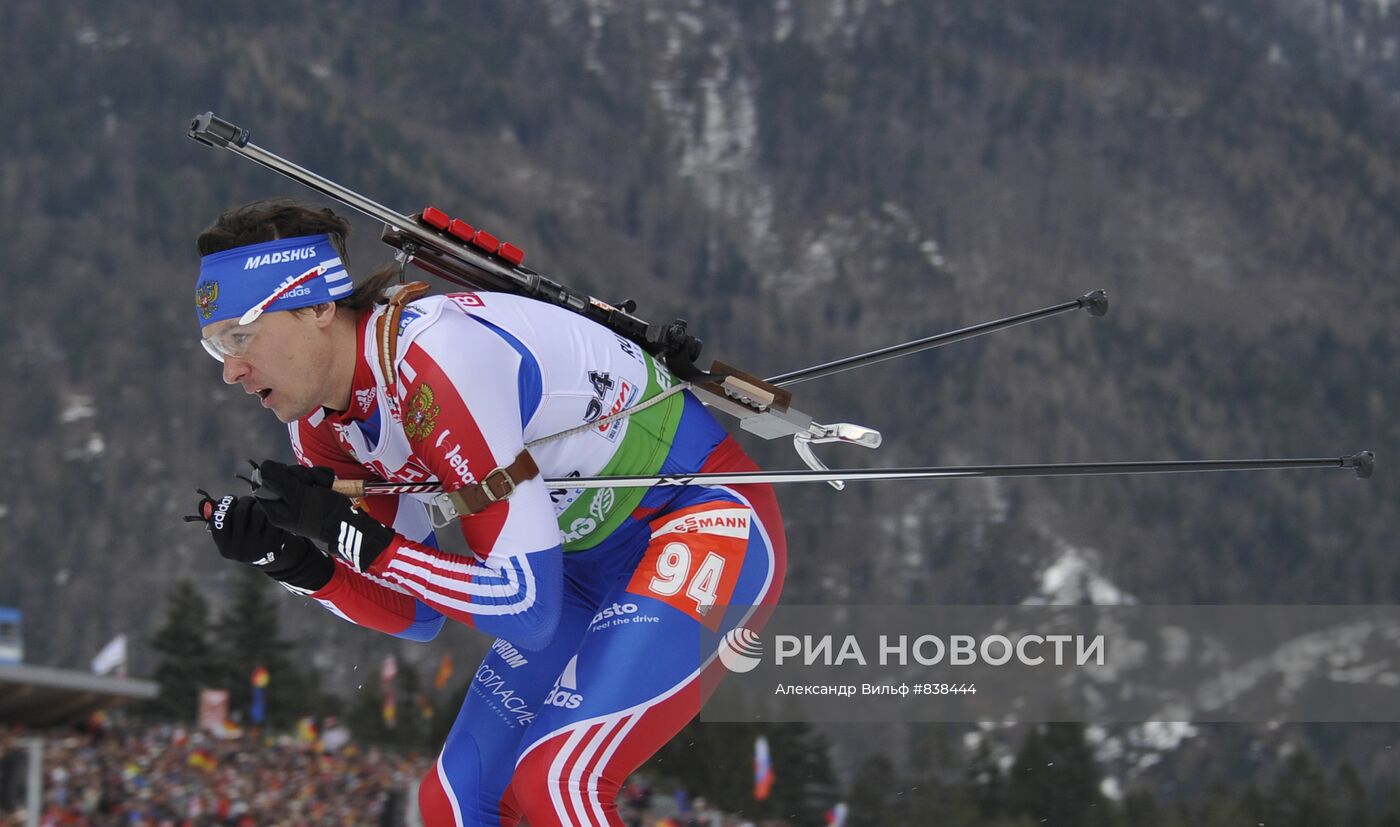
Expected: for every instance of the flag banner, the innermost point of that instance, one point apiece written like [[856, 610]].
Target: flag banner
[[306, 730], [213, 710], [387, 673], [202, 759], [444, 672], [836, 816], [112, 658], [762, 769], [257, 711]]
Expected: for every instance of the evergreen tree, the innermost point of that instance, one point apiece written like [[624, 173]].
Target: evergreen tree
[[1056, 779], [1140, 809], [1349, 797], [248, 636], [1224, 808], [872, 797], [186, 663], [411, 731], [716, 760], [805, 786], [1299, 796], [986, 782]]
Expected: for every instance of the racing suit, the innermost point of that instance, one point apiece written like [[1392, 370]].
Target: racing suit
[[606, 603]]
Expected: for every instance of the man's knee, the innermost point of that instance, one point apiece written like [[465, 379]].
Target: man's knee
[[433, 802], [563, 780]]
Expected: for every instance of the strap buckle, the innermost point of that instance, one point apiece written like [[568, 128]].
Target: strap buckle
[[488, 486], [442, 511]]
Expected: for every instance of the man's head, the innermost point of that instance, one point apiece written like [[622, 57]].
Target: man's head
[[277, 306]]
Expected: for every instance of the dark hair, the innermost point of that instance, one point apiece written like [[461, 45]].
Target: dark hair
[[273, 218]]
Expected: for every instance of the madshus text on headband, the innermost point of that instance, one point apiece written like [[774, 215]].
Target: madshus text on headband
[[280, 257]]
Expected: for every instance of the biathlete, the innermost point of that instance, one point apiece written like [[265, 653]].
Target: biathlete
[[603, 602]]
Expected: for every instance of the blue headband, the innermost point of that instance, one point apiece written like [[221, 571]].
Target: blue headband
[[275, 275]]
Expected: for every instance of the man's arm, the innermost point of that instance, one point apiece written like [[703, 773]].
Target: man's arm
[[462, 408], [462, 413], [349, 594]]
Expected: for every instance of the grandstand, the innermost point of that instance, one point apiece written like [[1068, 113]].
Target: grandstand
[[39, 697], [36, 699]]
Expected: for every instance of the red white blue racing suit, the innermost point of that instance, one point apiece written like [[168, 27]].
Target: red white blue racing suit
[[606, 603]]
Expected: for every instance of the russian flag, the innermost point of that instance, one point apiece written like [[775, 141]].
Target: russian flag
[[762, 769]]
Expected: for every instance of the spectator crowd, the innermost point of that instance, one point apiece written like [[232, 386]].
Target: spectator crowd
[[169, 776]]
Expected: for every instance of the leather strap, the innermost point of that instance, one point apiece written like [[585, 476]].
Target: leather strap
[[495, 486], [386, 332]]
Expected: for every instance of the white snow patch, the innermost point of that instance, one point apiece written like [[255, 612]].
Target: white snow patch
[[726, 142], [89, 36], [1333, 653], [1074, 578], [929, 248], [716, 129], [1165, 735], [93, 448], [783, 23], [1111, 789], [80, 406]]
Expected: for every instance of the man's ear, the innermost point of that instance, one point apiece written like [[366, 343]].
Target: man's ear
[[324, 313]]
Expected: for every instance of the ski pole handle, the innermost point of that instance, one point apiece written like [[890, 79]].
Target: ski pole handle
[[356, 489]]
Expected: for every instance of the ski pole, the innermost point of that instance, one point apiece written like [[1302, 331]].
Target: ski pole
[[1362, 463], [1096, 302]]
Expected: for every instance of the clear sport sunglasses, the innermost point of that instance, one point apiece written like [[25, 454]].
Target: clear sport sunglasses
[[230, 342]]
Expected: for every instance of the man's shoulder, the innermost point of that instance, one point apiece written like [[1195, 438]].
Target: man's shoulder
[[452, 324]]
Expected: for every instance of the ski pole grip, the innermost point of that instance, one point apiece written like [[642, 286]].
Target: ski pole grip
[[212, 130], [354, 489]]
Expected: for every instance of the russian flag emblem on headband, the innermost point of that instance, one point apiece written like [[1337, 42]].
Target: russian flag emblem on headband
[[284, 274]]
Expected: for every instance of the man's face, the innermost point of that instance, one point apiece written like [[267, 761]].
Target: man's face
[[282, 357]]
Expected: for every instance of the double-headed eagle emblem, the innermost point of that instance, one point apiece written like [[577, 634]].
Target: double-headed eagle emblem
[[204, 297]]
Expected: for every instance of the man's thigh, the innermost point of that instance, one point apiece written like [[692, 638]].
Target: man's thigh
[[467, 782], [636, 678]]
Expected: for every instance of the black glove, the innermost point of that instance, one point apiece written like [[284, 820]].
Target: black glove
[[302, 501], [243, 534]]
